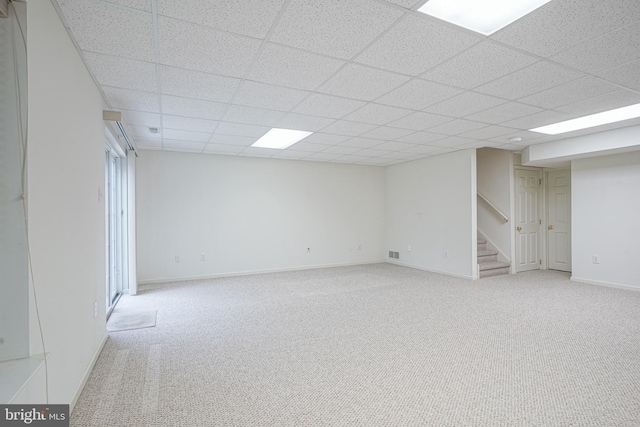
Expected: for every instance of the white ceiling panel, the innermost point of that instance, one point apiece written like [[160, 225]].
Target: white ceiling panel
[[377, 114], [574, 91], [561, 24], [186, 135], [244, 141], [109, 29], [194, 84], [361, 143], [343, 127], [141, 118], [253, 115], [401, 155], [452, 141], [333, 27], [527, 81], [155, 143], [145, 133], [422, 149], [457, 126], [181, 145], [223, 149], [374, 161], [227, 128], [186, 45], [188, 107], [259, 152], [135, 4], [407, 4], [291, 155], [418, 94], [394, 146], [488, 132], [464, 104], [318, 104], [479, 65], [608, 101], [503, 113], [420, 121], [626, 75], [321, 157], [188, 123], [285, 66], [416, 44], [304, 122], [254, 94], [127, 99], [122, 72], [341, 150], [542, 118], [350, 158], [308, 147], [611, 50], [251, 18], [360, 82], [387, 133], [371, 152], [326, 138]]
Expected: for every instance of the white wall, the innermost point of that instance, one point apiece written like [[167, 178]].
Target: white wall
[[249, 214], [66, 219], [431, 206], [495, 171], [605, 206]]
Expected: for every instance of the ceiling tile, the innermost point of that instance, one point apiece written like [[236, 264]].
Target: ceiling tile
[[341, 149], [251, 18], [303, 122], [387, 133], [109, 29], [503, 113], [128, 99], [254, 94], [488, 132], [223, 149], [416, 44], [611, 50], [135, 4], [321, 157], [418, 94], [350, 158], [542, 118], [326, 138], [456, 127], [144, 132], [394, 146], [377, 114], [227, 128], [188, 123], [371, 152], [534, 78], [402, 155], [196, 108], [361, 143], [333, 27], [193, 47], [155, 143], [194, 84], [360, 82], [407, 4], [253, 115], [559, 25], [183, 145], [141, 118], [291, 155], [121, 72], [307, 146], [343, 127], [232, 140], [626, 75], [419, 121], [464, 104], [481, 64], [318, 104], [608, 101], [285, 66], [422, 149], [451, 141], [571, 92], [260, 152], [186, 135]]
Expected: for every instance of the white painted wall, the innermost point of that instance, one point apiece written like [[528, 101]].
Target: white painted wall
[[431, 206], [66, 219], [605, 206], [495, 171], [250, 215]]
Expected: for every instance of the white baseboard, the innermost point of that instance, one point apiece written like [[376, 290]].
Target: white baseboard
[[607, 284], [87, 373], [248, 273], [431, 270]]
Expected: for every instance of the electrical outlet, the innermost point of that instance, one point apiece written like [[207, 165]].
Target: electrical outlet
[[177, 258], [595, 259], [202, 257], [445, 253]]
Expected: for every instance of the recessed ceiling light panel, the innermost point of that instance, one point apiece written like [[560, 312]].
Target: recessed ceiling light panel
[[484, 17], [280, 138], [593, 120]]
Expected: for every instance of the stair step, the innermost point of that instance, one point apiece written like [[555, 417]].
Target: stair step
[[494, 272], [482, 242], [493, 265], [486, 256]]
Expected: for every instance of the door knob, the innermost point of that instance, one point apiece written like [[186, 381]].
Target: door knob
[[519, 228], [550, 227]]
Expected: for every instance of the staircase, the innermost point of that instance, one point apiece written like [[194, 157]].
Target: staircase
[[488, 261]]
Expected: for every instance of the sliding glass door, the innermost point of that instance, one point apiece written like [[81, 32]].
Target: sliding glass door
[[113, 230]]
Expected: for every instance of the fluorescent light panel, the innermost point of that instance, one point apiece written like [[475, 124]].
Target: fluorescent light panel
[[485, 17], [280, 138], [606, 117]]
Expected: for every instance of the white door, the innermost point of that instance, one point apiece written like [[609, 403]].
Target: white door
[[528, 219], [559, 220]]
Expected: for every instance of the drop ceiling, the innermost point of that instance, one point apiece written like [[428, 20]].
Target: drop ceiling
[[377, 82]]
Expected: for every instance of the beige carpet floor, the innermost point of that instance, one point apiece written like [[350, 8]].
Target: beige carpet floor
[[375, 345]]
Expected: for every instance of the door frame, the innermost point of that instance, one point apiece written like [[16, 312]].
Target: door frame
[[542, 247], [545, 219]]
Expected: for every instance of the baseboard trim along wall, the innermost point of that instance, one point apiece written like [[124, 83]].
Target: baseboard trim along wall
[[607, 284], [248, 273], [87, 373], [431, 270]]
